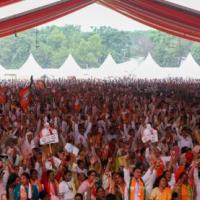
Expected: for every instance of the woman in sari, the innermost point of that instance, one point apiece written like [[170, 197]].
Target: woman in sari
[[162, 191]]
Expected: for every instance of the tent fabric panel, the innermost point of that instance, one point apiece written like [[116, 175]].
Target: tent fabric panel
[[7, 2], [159, 14], [164, 17], [40, 16]]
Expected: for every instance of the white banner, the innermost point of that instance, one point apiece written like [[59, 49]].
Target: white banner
[[71, 149], [50, 139]]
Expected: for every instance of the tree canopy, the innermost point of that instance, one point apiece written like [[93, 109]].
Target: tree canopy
[[51, 46]]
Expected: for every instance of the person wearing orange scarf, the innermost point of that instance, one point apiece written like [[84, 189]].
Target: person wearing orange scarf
[[183, 188], [162, 192], [35, 181], [135, 187]]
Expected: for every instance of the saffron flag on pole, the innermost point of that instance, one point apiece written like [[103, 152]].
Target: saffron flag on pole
[[2, 95], [25, 97], [77, 106]]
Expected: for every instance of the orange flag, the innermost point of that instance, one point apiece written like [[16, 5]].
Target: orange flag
[[2, 96], [77, 106], [25, 97]]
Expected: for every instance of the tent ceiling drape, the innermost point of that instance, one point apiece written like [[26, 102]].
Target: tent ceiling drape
[[159, 14], [7, 2], [33, 18], [166, 17]]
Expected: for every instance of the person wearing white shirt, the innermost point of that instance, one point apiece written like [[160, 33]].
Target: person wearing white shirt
[[184, 140], [66, 187], [135, 186], [81, 133]]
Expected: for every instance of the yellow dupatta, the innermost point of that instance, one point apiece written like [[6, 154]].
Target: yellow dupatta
[[158, 195]]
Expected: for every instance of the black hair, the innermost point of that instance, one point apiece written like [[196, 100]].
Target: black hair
[[49, 172], [90, 172], [174, 196], [121, 174], [111, 197], [137, 166], [11, 179], [43, 194], [79, 195], [100, 187], [26, 175], [32, 171], [185, 150], [157, 181], [79, 162], [66, 171]]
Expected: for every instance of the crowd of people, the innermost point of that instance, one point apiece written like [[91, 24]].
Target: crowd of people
[[134, 140]]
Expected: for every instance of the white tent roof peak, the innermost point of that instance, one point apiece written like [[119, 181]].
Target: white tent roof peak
[[72, 61], [30, 67], [109, 60], [149, 60], [190, 60], [2, 71], [108, 63], [31, 62], [189, 68], [70, 68], [149, 69]]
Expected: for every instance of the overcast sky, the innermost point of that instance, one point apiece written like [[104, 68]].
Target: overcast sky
[[93, 15]]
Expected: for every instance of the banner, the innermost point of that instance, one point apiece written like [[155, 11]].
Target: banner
[[50, 139], [71, 149], [150, 134]]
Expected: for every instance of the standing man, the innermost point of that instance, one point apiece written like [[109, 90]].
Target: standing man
[[66, 187], [135, 187]]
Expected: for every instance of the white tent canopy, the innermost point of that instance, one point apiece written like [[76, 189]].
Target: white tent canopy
[[30, 68], [189, 68], [149, 69], [128, 68], [2, 71], [109, 68], [11, 74], [171, 72], [70, 68], [51, 73]]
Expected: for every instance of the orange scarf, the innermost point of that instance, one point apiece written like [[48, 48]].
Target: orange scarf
[[38, 185], [186, 192], [132, 189]]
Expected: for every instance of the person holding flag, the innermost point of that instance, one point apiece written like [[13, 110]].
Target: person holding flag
[[25, 95]]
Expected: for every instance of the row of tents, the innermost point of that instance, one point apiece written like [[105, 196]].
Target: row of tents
[[134, 68]]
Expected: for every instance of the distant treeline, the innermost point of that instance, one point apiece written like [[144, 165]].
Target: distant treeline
[[51, 46]]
